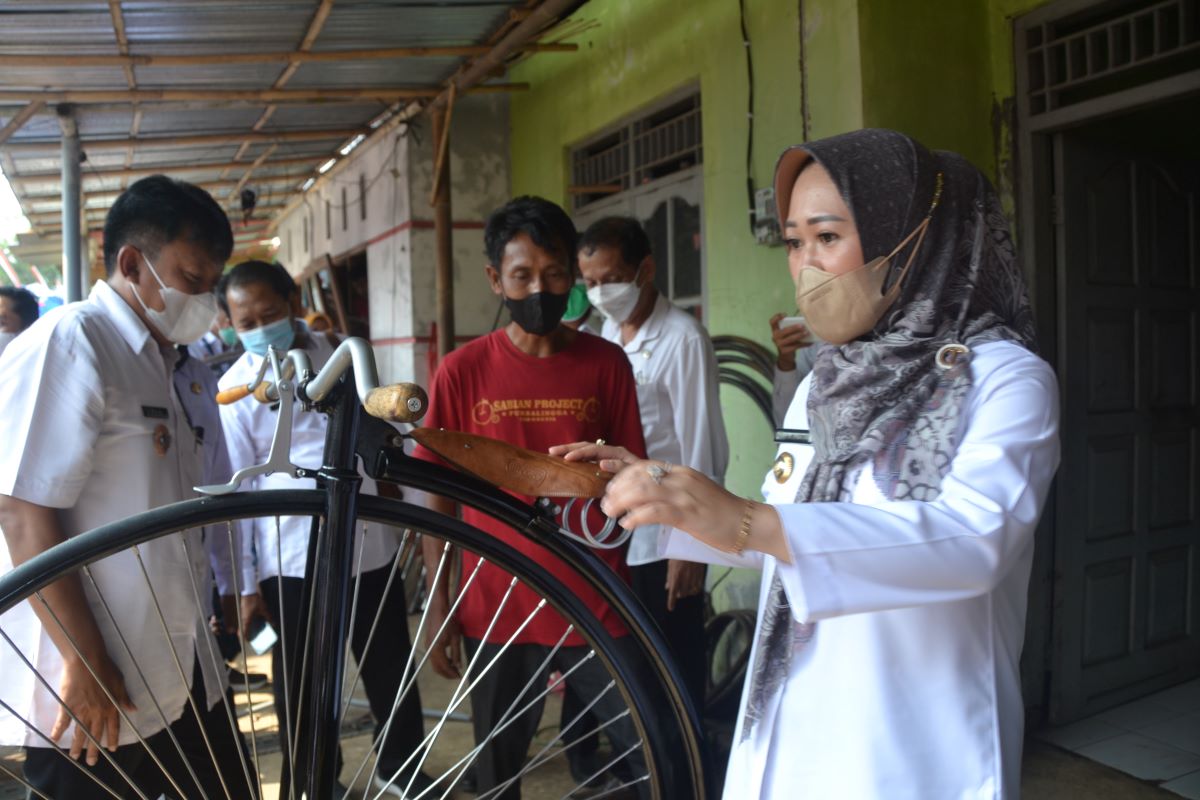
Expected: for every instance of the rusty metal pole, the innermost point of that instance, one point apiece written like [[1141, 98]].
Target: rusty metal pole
[[443, 231]]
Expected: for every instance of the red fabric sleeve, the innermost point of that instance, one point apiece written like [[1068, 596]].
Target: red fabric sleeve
[[626, 419]]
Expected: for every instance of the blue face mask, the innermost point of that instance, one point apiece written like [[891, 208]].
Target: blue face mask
[[279, 333]]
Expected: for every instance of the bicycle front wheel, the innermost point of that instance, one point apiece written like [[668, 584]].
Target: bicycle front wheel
[[400, 729]]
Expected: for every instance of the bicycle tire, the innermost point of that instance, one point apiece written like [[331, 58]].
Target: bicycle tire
[[673, 747]]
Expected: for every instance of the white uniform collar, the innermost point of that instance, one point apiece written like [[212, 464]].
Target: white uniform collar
[[127, 323], [650, 330]]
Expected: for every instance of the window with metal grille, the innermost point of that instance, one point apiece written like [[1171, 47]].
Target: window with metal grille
[[1107, 48], [651, 146]]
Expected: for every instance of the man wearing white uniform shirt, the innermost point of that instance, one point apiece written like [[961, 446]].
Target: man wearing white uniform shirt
[[261, 300], [96, 432], [795, 350], [679, 401]]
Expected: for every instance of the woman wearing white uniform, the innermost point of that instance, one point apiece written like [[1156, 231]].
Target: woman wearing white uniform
[[896, 548]]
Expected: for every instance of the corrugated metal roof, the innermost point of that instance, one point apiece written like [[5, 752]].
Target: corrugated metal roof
[[220, 27]]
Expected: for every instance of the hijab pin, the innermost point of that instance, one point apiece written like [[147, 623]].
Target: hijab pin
[[949, 354], [937, 192]]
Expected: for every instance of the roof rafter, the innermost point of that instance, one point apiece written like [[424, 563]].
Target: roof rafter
[[37, 178], [282, 57], [382, 93], [189, 141]]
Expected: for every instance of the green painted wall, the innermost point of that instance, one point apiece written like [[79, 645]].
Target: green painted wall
[[925, 72]]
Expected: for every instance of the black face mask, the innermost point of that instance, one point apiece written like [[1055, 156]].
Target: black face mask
[[538, 313]]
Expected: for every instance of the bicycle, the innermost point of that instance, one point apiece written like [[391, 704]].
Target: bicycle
[[359, 410]]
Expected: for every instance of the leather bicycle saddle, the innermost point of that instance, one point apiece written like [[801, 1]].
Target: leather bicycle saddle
[[514, 468]]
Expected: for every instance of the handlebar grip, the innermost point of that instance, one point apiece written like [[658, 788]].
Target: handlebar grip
[[400, 402], [232, 395]]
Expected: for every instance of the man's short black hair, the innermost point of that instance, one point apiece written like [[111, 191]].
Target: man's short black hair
[[544, 222], [275, 276], [158, 210], [24, 302], [624, 234]]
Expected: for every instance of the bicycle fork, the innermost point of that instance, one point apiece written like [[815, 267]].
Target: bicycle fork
[[327, 579]]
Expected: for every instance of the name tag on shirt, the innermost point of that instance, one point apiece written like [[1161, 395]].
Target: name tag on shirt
[[793, 436], [155, 412]]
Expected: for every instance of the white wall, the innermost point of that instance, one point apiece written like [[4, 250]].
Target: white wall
[[398, 231]]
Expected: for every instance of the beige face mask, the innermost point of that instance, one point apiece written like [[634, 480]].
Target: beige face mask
[[841, 308]]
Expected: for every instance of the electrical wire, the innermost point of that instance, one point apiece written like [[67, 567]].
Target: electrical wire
[[752, 217]]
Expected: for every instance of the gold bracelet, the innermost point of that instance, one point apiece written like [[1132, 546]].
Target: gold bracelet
[[744, 531]]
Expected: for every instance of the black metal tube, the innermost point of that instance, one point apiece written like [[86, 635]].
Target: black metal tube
[[328, 576]]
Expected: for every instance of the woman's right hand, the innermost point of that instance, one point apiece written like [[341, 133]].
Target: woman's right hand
[[608, 457]]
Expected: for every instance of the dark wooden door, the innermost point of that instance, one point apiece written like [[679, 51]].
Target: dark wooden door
[[1127, 536]]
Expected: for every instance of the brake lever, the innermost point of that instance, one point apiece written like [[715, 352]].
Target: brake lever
[[281, 442]]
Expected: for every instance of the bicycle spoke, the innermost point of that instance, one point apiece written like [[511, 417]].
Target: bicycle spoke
[[511, 714], [54, 746], [378, 614], [141, 675], [407, 682], [183, 678], [286, 743], [460, 695], [108, 694], [243, 646], [78, 725], [23, 782], [218, 666]]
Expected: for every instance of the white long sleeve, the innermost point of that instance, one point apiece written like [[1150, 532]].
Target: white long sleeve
[[873, 555]]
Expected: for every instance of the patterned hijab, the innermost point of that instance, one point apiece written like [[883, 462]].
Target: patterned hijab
[[887, 398]]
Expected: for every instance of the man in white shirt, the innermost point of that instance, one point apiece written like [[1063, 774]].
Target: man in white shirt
[[261, 301], [94, 432], [795, 350], [18, 310], [678, 397]]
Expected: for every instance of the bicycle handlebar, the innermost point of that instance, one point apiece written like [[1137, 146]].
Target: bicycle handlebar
[[397, 402]]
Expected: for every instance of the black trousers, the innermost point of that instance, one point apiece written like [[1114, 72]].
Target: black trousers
[[684, 630], [505, 754], [51, 772], [683, 627], [380, 671]]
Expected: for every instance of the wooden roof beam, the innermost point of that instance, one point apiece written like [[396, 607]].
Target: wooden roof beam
[[53, 178], [382, 94], [19, 120], [191, 140], [282, 57], [208, 186]]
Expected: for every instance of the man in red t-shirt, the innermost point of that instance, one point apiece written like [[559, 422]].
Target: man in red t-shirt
[[534, 383]]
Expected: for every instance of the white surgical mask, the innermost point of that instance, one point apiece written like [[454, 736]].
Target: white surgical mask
[[185, 317], [616, 300]]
